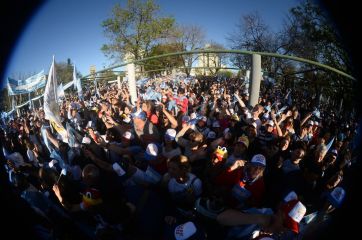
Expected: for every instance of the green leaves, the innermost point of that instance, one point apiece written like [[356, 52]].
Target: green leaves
[[135, 29]]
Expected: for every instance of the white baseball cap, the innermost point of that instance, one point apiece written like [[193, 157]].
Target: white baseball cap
[[211, 135], [270, 122], [203, 118], [128, 135], [184, 231], [291, 196], [86, 140], [253, 125], [170, 134], [193, 115], [152, 150], [258, 160], [336, 197], [294, 212], [297, 212]]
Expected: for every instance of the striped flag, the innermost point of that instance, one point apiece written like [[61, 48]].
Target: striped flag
[[51, 108]]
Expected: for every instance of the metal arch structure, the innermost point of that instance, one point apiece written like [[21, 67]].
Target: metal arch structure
[[255, 73], [256, 68], [266, 54]]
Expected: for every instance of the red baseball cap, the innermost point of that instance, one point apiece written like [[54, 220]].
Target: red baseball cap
[[294, 212]]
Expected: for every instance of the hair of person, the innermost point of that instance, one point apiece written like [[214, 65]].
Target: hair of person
[[181, 91], [197, 137], [48, 176], [182, 162]]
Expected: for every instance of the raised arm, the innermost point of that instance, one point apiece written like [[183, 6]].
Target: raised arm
[[241, 102], [171, 118], [279, 130], [52, 139], [179, 137], [305, 119]]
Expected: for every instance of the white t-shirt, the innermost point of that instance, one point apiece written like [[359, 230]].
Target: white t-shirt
[[175, 187]]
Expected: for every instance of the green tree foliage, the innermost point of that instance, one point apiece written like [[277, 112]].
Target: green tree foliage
[[133, 31], [310, 34], [157, 65], [225, 74], [307, 33], [105, 76], [65, 71], [4, 100]]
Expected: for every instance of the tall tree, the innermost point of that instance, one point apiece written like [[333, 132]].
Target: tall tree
[[189, 37], [253, 34], [310, 34], [167, 63], [4, 100], [132, 31], [65, 71]]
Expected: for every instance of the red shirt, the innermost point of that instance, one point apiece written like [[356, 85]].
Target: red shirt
[[182, 103], [224, 123], [152, 118], [229, 178], [257, 190]]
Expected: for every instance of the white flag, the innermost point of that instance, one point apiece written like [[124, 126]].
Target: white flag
[[77, 84], [74, 78], [51, 108], [60, 91]]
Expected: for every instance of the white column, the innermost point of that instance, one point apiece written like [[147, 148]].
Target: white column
[[247, 81], [255, 79], [119, 82], [132, 82]]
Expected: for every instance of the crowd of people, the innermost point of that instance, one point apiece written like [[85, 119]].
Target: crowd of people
[[190, 159]]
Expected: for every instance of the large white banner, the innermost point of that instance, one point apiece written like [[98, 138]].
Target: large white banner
[[28, 85]]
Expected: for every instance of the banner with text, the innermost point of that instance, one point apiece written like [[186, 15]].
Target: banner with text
[[28, 85]]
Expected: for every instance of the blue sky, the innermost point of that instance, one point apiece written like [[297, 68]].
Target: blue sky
[[72, 28]]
